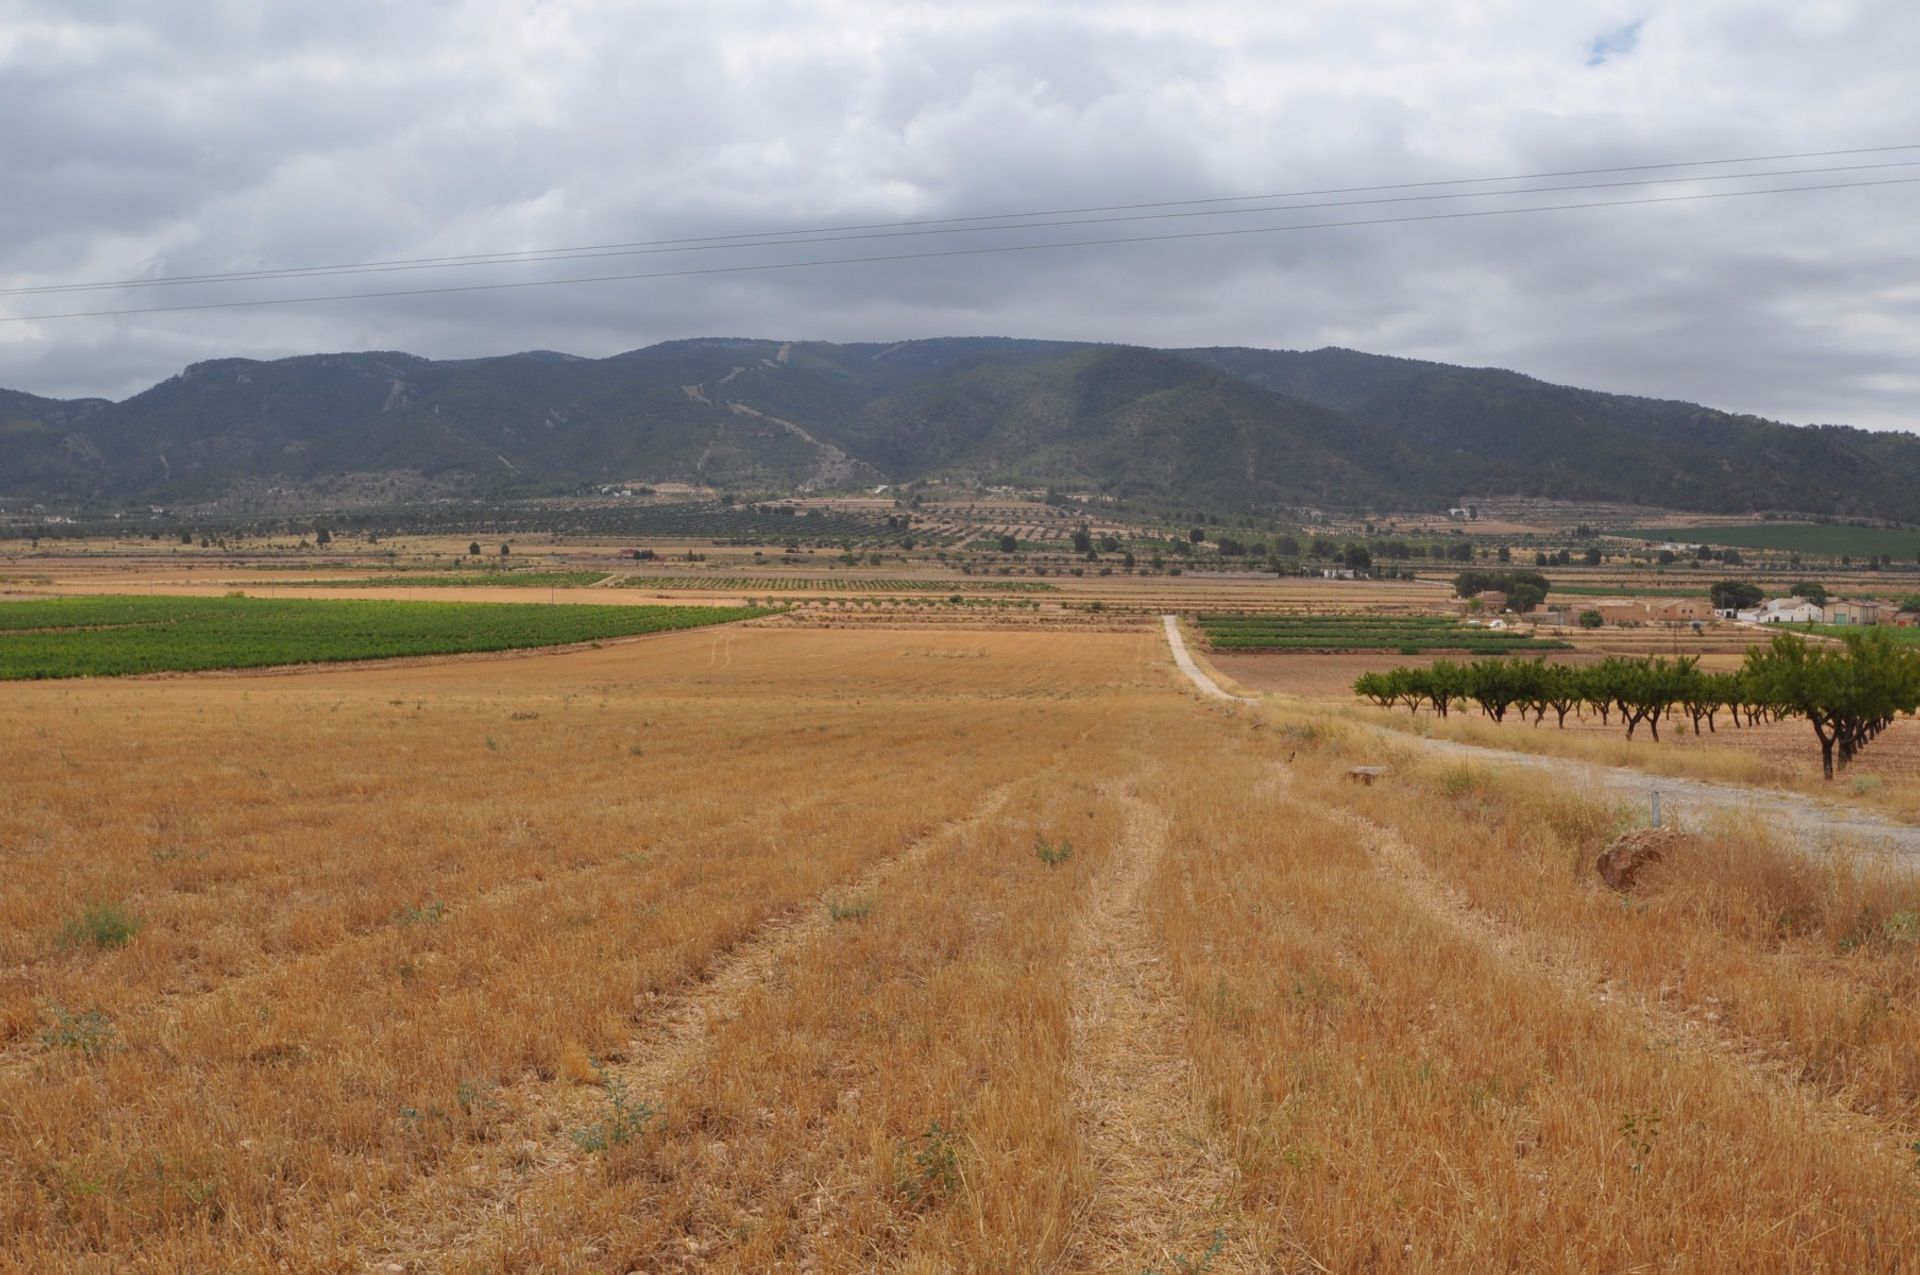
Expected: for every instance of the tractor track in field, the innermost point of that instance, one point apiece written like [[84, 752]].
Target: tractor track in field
[[677, 1032], [19, 1055], [1162, 1190], [1578, 979]]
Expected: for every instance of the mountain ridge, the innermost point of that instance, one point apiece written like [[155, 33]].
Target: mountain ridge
[[1223, 425]]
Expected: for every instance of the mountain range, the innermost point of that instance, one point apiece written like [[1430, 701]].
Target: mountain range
[[1223, 426]]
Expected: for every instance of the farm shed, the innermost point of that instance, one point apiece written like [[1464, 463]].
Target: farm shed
[[1862, 611]]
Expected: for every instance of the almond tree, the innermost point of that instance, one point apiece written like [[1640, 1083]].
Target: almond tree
[[1849, 693]]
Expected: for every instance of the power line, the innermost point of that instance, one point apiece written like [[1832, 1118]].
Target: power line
[[947, 252], [1018, 220], [584, 255]]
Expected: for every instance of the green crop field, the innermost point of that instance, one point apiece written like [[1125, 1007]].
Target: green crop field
[[1805, 538], [847, 584], [109, 636], [1906, 637], [1408, 635]]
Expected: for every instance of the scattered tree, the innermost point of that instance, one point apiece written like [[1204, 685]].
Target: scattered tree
[[1734, 595]]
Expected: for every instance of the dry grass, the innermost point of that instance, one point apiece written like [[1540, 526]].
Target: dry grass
[[736, 952], [1408, 1089]]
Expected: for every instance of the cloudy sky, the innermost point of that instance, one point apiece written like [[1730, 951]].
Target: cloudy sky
[[149, 141]]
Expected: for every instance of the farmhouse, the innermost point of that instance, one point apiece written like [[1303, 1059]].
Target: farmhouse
[[1622, 612], [1905, 619], [1686, 609], [1339, 573], [1785, 611]]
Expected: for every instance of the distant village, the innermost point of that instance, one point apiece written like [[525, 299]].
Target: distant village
[[1785, 610]]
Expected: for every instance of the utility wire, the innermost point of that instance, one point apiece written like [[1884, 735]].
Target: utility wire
[[754, 267], [774, 238], [589, 255]]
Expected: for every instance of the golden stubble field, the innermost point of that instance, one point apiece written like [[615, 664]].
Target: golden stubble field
[[779, 949]]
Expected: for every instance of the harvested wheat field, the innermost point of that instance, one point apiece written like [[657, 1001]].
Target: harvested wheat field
[[764, 949]]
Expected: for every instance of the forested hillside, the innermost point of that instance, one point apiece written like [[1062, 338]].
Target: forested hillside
[[1226, 426]]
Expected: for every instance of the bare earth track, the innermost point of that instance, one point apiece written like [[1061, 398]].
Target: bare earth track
[[1163, 1185]]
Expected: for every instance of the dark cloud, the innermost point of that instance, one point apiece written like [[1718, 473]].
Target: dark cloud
[[152, 140]]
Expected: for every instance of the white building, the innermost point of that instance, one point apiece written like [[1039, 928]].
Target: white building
[[1785, 611]]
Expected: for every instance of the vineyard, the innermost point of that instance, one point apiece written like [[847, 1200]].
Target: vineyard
[[1817, 539], [108, 636], [1407, 634], [849, 584]]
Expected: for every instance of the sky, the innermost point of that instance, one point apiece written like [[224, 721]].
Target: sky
[[152, 141]]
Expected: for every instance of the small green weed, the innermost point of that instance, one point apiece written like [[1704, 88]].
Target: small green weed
[[927, 1168], [413, 1119], [1639, 1129], [430, 913], [176, 854], [476, 1096], [90, 1034], [856, 908], [101, 924], [1053, 855], [625, 1119]]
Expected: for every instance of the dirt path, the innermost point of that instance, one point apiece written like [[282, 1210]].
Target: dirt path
[[833, 464], [1162, 1187], [1810, 821], [1193, 671]]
